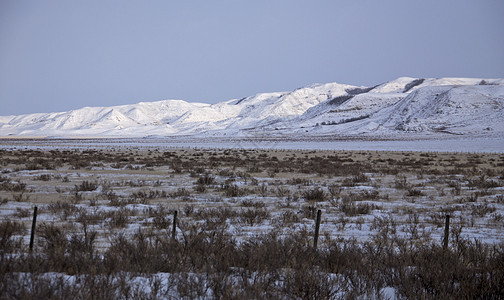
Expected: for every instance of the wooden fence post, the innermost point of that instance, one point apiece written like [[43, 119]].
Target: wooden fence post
[[446, 232], [317, 228], [32, 236], [174, 229]]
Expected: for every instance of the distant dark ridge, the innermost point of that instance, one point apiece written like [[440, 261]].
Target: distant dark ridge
[[357, 91], [484, 82], [412, 84], [340, 99], [239, 101]]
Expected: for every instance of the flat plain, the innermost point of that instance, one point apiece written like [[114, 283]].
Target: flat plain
[[245, 223]]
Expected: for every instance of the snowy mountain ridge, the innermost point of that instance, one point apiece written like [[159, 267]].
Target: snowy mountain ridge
[[405, 106]]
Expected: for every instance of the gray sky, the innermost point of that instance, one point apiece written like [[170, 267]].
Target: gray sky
[[57, 55]]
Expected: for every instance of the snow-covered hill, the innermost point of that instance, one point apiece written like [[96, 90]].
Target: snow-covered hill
[[462, 106]]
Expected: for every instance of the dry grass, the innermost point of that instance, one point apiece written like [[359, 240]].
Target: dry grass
[[246, 221]]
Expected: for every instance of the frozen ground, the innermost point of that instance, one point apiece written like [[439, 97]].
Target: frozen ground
[[242, 191], [425, 144], [278, 184]]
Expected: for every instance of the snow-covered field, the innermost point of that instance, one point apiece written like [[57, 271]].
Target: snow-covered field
[[423, 143], [246, 217]]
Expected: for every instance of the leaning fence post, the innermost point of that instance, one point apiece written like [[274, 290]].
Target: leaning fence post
[[174, 229], [32, 235], [446, 232], [317, 228]]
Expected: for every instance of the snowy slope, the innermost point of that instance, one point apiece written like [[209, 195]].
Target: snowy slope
[[409, 106], [465, 106], [455, 109]]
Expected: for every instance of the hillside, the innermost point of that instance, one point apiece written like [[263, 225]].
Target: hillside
[[429, 107]]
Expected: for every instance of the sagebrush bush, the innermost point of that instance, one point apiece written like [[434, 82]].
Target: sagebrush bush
[[314, 194], [86, 186], [8, 229]]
